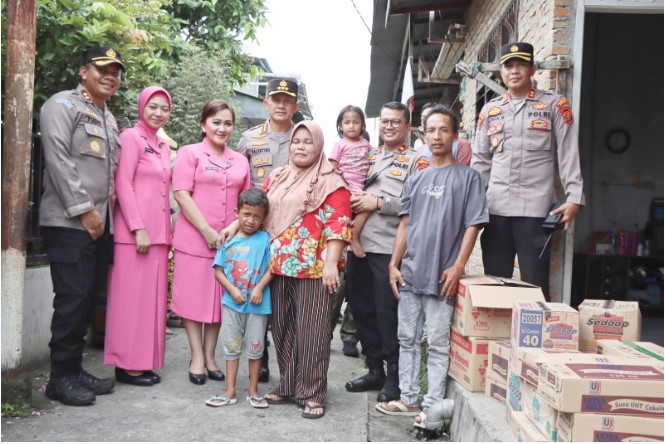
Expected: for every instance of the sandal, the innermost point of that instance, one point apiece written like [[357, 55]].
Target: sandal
[[220, 401], [397, 408], [421, 419], [258, 402], [313, 406], [274, 399]]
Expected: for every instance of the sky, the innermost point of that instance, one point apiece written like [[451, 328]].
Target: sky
[[326, 44]]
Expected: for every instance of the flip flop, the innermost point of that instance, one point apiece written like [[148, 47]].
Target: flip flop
[[398, 408], [220, 401], [282, 400], [255, 401], [422, 416], [311, 406]]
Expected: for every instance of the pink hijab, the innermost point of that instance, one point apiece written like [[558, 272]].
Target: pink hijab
[[149, 132], [294, 192]]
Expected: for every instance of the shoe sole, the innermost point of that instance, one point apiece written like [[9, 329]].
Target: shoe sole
[[55, 397]]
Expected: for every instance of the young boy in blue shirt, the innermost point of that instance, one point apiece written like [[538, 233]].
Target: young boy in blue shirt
[[241, 267]]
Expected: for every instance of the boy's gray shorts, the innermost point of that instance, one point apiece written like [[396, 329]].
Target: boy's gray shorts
[[243, 330]]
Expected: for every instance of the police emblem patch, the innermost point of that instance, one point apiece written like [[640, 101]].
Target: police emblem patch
[[540, 105], [260, 172], [494, 111], [402, 158], [540, 124], [396, 173], [495, 141], [95, 146]]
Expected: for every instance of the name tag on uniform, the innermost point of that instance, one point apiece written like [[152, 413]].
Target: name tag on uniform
[[148, 150], [212, 168]]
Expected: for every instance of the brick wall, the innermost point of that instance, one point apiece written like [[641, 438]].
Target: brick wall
[[549, 26]]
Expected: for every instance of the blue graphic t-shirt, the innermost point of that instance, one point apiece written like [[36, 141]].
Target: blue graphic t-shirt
[[245, 261]]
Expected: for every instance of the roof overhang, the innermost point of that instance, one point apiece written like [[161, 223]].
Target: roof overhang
[[429, 32]]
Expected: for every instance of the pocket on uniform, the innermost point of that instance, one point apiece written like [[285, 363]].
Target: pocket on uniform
[[393, 182], [539, 135], [94, 142]]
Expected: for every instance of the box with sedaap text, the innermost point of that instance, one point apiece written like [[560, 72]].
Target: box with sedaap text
[[601, 319], [549, 325], [484, 303]]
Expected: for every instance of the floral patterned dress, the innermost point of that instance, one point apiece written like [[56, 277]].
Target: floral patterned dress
[[300, 250]]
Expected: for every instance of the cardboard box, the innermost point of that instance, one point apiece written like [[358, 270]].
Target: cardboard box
[[549, 325], [498, 357], [629, 349], [603, 384], [484, 303], [526, 361], [608, 428], [601, 319], [524, 430], [468, 360], [539, 411], [514, 393], [496, 389]]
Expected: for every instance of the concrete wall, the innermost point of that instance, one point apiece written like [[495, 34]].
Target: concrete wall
[[37, 313]]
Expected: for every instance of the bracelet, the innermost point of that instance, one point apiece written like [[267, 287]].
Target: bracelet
[[377, 203]]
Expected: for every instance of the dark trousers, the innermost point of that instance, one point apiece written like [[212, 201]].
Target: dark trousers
[[79, 272], [504, 237], [347, 331], [373, 306]]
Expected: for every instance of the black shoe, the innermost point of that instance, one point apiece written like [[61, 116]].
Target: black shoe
[[143, 379], [215, 375], [99, 386], [197, 379], [373, 380], [390, 390], [349, 348], [69, 391], [264, 374], [156, 379]]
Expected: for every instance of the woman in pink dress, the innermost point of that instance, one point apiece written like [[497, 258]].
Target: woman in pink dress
[[135, 317], [207, 179]]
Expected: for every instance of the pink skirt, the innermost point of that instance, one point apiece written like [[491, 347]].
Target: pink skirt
[[136, 308], [196, 294]]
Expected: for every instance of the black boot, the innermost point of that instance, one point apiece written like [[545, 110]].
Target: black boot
[[390, 390], [372, 380]]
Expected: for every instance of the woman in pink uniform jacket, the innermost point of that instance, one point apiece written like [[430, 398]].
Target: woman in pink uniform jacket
[[136, 309], [207, 179]]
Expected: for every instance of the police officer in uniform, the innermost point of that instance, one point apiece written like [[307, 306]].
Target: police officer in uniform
[[520, 139], [80, 143], [267, 147], [372, 303]]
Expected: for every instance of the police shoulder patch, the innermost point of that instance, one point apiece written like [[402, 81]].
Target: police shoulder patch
[[422, 163]]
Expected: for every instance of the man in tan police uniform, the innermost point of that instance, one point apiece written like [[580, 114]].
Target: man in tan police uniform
[[80, 143], [267, 145], [373, 305], [519, 140]]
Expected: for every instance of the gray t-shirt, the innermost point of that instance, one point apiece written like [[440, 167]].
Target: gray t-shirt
[[441, 204]]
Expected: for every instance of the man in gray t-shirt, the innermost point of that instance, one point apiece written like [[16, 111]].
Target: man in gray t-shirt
[[442, 210]]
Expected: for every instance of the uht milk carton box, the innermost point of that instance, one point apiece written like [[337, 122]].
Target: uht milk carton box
[[603, 384], [601, 319], [549, 325], [585, 427], [630, 349], [484, 303]]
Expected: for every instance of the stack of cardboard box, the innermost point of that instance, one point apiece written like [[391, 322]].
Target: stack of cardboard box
[[483, 310], [557, 393], [538, 329]]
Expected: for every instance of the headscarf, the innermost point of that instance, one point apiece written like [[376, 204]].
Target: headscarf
[[294, 192], [149, 132]]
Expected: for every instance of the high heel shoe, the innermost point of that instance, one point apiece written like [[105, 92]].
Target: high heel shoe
[[143, 379], [198, 379], [156, 379], [215, 375]]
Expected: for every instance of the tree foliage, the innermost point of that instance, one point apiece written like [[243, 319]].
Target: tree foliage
[[152, 36], [201, 76]]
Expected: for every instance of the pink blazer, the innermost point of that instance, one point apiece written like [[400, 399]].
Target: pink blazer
[[214, 185], [142, 183]]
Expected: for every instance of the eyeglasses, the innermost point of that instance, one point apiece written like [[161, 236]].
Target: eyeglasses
[[394, 123]]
